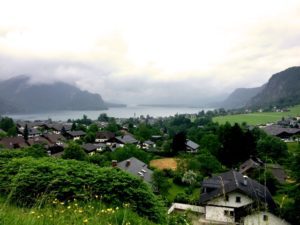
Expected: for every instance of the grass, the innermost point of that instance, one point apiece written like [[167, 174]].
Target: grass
[[258, 118], [176, 189], [76, 213], [165, 163], [293, 147]]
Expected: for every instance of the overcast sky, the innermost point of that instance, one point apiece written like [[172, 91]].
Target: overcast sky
[[154, 51]]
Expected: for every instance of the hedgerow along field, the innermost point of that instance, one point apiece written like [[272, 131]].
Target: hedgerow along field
[[257, 118]]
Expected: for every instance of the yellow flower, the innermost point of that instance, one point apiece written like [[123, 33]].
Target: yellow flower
[[85, 221], [69, 207], [32, 212]]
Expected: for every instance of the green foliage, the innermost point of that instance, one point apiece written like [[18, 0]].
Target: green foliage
[[26, 133], [144, 131], [93, 128], [74, 151], [27, 180], [160, 181], [179, 142], [7, 123], [128, 151], [73, 212], [211, 143], [273, 148], [103, 117], [237, 145], [90, 137]]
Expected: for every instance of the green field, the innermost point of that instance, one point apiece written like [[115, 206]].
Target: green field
[[257, 118]]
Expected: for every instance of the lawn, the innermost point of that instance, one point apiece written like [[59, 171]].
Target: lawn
[[176, 189], [293, 147], [165, 163], [257, 118]]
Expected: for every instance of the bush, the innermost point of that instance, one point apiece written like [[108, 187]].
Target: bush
[[27, 180]]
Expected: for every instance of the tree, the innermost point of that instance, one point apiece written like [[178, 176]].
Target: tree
[[211, 143], [179, 142], [103, 117], [93, 128], [90, 137], [160, 182], [26, 133], [73, 126], [74, 151], [273, 148], [189, 177]]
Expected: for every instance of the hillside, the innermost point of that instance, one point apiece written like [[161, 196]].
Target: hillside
[[283, 89], [239, 97], [18, 95]]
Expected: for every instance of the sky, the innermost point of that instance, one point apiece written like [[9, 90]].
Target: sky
[[150, 51]]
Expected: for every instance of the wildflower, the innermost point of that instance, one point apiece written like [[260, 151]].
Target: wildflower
[[69, 207], [80, 211], [32, 212], [96, 196], [85, 221], [117, 208], [38, 217], [62, 203]]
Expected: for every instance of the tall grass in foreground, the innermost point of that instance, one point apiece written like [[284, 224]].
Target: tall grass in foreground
[[70, 212]]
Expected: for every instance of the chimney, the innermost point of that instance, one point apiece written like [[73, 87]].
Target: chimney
[[128, 163], [114, 163], [245, 181]]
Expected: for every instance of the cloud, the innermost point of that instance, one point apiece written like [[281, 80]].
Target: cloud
[[150, 52]]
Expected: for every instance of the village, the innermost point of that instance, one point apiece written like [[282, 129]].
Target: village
[[216, 195]]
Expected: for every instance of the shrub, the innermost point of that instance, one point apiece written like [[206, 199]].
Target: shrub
[[27, 180]]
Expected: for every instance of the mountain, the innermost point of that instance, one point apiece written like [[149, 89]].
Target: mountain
[[239, 97], [18, 95], [283, 89]]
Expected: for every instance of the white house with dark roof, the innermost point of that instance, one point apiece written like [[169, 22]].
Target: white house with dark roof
[[233, 198]]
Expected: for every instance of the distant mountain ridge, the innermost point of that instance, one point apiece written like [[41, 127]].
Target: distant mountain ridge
[[18, 95], [282, 89], [239, 97]]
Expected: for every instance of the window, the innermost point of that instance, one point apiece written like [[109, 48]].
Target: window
[[228, 213], [265, 218], [238, 199], [226, 198]]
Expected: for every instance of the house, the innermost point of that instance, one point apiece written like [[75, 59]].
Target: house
[[147, 145], [191, 146], [231, 196], [250, 165], [263, 218], [89, 148], [136, 168], [125, 139], [254, 164], [104, 136], [58, 127], [38, 140], [55, 139], [13, 142], [75, 135], [281, 132]]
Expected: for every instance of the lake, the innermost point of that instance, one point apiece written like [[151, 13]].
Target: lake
[[124, 112]]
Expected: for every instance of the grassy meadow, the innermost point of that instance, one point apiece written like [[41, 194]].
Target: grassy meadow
[[257, 118], [76, 213]]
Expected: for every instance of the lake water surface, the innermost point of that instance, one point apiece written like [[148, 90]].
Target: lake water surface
[[124, 112]]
